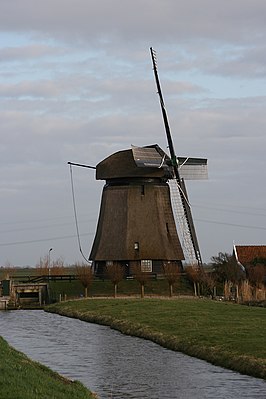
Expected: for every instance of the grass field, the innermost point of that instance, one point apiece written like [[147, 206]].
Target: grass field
[[225, 334], [21, 378]]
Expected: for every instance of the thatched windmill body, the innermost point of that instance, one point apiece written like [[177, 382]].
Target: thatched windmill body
[[136, 222]]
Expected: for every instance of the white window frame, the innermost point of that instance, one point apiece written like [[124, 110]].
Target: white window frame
[[146, 265]]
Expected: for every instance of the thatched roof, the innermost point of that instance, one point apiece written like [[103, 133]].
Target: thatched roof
[[247, 253]]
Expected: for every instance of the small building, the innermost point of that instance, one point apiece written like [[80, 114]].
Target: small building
[[30, 293], [252, 258], [22, 294], [248, 254]]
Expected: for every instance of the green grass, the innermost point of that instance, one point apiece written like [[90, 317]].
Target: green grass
[[225, 334], [21, 378]]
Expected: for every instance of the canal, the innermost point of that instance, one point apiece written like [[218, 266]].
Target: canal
[[118, 366]]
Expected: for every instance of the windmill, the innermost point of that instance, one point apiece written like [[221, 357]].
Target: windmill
[[143, 200]]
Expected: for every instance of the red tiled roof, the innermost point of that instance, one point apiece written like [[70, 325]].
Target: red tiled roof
[[247, 253]]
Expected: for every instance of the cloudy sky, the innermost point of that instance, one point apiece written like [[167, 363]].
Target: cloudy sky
[[76, 84]]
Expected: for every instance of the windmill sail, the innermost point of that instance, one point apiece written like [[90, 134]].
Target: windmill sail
[[192, 168], [179, 195], [183, 225]]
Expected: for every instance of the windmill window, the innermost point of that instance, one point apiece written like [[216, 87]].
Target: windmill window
[[146, 265], [142, 189], [136, 246], [167, 227], [109, 263]]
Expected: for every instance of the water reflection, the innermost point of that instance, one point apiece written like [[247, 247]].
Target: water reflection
[[117, 366]]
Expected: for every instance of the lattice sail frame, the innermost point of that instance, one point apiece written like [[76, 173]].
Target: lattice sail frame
[[182, 224]]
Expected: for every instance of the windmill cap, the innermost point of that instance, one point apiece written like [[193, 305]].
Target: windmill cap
[[148, 162]]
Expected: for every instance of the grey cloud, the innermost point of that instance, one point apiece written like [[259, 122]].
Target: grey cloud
[[80, 87], [238, 63], [119, 19], [29, 89], [25, 53]]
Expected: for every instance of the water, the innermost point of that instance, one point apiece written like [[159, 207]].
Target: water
[[118, 366]]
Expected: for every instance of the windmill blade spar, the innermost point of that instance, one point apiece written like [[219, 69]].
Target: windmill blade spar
[[184, 204]]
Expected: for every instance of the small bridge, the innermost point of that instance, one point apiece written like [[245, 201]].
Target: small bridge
[[23, 294]]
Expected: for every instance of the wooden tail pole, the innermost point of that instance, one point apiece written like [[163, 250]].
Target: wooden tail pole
[[82, 165]]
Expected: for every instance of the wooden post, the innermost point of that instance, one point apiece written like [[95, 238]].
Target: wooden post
[[40, 296], [142, 291], [171, 290], [237, 293], [195, 288]]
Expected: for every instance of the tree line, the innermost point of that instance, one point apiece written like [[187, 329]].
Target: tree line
[[223, 274]]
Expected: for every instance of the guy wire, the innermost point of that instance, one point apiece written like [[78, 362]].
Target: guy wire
[[75, 213]]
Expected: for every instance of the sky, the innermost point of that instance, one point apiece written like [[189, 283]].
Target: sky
[[76, 85]]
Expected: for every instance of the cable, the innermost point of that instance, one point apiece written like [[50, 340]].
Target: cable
[[88, 234], [41, 240], [231, 224], [48, 226], [229, 210], [75, 213]]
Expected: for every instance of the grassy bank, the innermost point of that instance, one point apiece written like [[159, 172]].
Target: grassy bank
[[225, 334], [22, 378]]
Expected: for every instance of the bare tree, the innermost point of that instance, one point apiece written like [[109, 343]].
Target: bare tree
[[193, 275], [256, 275], [208, 283], [141, 276], [84, 274], [57, 267], [228, 272], [42, 267], [7, 271], [172, 275], [115, 273], [226, 268]]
